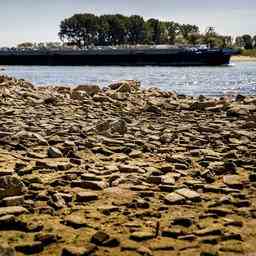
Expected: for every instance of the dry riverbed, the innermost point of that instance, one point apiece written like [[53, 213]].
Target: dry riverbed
[[125, 171]]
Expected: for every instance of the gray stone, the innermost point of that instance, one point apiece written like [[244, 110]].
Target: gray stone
[[54, 152], [189, 194], [174, 198]]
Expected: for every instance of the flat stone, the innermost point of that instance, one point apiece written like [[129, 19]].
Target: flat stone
[[209, 232], [233, 181], [86, 196], [13, 201], [7, 222], [174, 198], [168, 179], [46, 238], [141, 236], [30, 248], [130, 169], [220, 211], [182, 221], [107, 210], [75, 221], [94, 185], [162, 246], [13, 210], [78, 250], [189, 194]]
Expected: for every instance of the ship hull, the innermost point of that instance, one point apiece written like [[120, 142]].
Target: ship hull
[[118, 58]]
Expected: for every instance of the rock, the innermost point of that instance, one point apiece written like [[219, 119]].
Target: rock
[[209, 232], [141, 236], [78, 250], [13, 201], [182, 221], [30, 248], [144, 251], [7, 222], [57, 202], [174, 198], [129, 169], [6, 250], [11, 186], [111, 242], [162, 246], [91, 90], [99, 238], [167, 232], [220, 211], [125, 86], [75, 221], [119, 126], [46, 238], [12, 210], [86, 196], [94, 185], [54, 152], [233, 181], [149, 107], [189, 194]]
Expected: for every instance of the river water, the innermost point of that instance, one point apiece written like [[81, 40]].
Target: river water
[[239, 77]]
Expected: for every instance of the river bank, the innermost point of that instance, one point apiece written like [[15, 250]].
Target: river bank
[[125, 171], [242, 58]]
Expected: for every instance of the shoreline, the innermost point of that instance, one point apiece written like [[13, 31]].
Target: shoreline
[[124, 169], [242, 58]]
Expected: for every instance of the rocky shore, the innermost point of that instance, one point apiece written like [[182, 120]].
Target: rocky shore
[[125, 171]]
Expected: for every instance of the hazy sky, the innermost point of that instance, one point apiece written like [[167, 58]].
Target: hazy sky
[[38, 20]]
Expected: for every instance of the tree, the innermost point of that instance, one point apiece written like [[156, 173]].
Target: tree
[[239, 42], [136, 30], [248, 42], [25, 45], [254, 41], [194, 38], [104, 36], [117, 29], [153, 30], [86, 29], [80, 29], [187, 29], [173, 31]]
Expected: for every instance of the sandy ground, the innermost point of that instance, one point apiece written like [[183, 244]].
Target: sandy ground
[[242, 58]]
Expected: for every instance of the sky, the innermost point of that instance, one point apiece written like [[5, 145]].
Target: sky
[[38, 20]]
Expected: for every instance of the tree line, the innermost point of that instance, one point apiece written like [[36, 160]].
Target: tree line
[[86, 29]]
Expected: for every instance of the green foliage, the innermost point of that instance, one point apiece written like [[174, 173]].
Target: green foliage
[[87, 29]]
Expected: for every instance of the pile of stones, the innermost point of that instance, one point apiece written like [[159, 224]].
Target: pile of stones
[[124, 170]]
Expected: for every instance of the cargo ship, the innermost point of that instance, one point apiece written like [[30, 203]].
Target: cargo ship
[[118, 57]]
